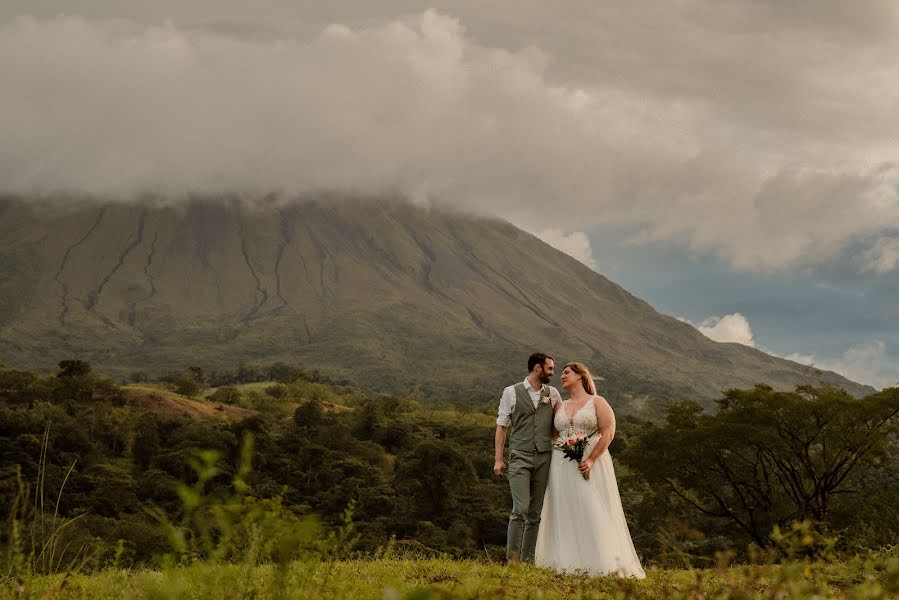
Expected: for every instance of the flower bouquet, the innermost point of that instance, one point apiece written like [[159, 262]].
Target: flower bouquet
[[573, 448]]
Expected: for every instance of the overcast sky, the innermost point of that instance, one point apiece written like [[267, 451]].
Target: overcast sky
[[735, 163]]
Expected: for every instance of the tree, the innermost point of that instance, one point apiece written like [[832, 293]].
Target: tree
[[309, 414], [191, 382], [278, 391], [76, 381], [248, 374], [767, 458], [228, 394], [23, 387], [435, 477], [147, 441], [73, 368], [196, 373], [282, 372]]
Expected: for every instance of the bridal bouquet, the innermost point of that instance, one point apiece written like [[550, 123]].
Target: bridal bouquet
[[573, 448]]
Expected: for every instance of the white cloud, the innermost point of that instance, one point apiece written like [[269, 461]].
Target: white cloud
[[866, 363], [883, 257], [803, 359], [729, 328], [575, 244], [770, 143]]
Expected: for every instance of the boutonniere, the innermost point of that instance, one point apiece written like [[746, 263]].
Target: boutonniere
[[544, 397]]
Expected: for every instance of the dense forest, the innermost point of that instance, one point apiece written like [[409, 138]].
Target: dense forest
[[199, 463]]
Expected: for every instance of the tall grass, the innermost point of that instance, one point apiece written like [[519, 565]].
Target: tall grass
[[447, 579], [36, 541], [233, 526], [228, 544]]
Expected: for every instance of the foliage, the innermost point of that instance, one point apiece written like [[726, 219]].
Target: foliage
[[228, 394], [395, 576], [423, 477], [190, 383], [280, 372], [768, 458], [139, 377], [233, 526], [36, 541], [278, 391]]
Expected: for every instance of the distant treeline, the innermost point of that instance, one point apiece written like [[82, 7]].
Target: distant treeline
[[279, 372], [692, 482]]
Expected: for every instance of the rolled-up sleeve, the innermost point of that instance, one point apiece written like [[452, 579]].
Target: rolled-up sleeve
[[555, 397], [506, 405]]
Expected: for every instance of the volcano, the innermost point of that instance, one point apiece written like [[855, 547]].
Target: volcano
[[384, 294]]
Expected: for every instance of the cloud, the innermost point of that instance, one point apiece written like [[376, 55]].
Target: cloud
[[882, 257], [868, 363], [575, 244], [729, 328], [769, 143]]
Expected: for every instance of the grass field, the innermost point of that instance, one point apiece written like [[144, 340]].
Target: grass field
[[422, 579]]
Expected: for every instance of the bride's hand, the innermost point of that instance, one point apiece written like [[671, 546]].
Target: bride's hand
[[585, 466]]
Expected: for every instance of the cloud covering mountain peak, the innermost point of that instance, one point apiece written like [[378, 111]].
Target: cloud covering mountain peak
[[419, 106]]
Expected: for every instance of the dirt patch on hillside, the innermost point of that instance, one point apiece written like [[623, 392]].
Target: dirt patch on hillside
[[167, 403]]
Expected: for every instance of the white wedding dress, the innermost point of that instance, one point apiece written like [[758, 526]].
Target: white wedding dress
[[582, 527]]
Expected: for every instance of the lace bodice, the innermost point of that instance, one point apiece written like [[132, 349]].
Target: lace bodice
[[583, 422]]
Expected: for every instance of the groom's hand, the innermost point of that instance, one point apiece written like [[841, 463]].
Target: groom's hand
[[499, 467]]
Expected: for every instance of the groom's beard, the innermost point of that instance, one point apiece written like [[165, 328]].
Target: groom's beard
[[544, 378]]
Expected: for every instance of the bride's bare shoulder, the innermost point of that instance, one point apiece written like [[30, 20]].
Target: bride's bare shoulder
[[601, 402]]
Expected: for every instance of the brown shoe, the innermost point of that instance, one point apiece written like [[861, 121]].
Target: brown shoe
[[513, 560]]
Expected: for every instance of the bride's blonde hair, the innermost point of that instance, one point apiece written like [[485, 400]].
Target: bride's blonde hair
[[586, 379]]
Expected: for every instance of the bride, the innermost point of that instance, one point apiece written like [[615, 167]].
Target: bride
[[583, 526]]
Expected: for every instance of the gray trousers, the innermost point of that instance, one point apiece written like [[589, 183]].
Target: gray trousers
[[528, 475]]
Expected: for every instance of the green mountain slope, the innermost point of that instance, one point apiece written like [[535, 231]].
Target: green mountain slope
[[385, 294]]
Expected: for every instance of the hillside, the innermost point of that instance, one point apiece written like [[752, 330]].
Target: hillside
[[168, 404], [383, 294]]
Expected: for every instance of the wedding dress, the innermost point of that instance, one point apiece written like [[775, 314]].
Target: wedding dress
[[582, 526]]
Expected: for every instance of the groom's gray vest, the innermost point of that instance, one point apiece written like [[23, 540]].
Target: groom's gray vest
[[531, 428]]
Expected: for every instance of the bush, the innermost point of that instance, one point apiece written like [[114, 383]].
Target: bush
[[188, 385], [228, 394], [278, 391]]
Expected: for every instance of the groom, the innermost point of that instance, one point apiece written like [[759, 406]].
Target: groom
[[526, 408]]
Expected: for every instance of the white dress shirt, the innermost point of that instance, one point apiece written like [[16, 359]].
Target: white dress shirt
[[507, 401]]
